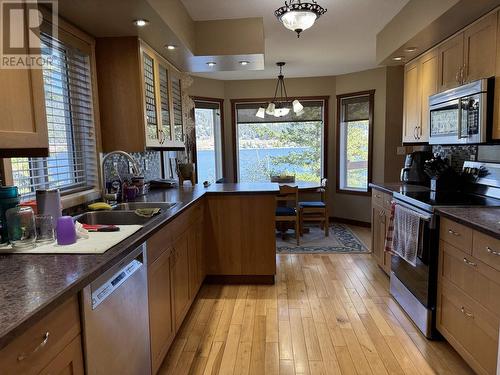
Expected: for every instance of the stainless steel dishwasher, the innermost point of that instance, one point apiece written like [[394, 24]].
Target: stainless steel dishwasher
[[115, 319]]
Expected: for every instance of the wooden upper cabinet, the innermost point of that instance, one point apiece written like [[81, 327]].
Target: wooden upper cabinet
[[480, 49], [428, 86], [451, 62], [23, 129], [411, 103], [135, 96]]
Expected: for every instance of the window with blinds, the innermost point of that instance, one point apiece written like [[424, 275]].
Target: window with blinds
[[177, 100], [289, 145], [354, 141], [72, 164]]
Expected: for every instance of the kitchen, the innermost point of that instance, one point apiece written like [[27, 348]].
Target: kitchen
[[143, 171]]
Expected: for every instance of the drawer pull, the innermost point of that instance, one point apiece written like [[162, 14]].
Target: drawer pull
[[467, 314], [453, 232], [491, 251], [378, 196], [45, 339], [469, 263]]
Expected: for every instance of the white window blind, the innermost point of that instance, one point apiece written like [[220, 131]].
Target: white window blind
[[72, 164], [177, 99]]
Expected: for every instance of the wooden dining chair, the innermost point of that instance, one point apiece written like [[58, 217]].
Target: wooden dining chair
[[287, 208], [316, 211]]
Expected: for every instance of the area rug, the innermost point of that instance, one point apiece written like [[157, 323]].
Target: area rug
[[340, 240]]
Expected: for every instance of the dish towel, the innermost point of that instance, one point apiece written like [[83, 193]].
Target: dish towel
[[405, 239]]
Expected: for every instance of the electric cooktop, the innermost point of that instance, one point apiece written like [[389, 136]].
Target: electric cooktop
[[429, 200]]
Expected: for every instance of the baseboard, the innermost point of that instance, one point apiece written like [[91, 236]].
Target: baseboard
[[240, 279], [350, 221]]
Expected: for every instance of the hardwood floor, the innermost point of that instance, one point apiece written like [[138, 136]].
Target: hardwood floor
[[326, 314]]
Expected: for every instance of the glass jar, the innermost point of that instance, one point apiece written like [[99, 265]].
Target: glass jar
[[21, 227], [9, 198]]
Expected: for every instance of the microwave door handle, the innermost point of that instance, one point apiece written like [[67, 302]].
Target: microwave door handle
[[460, 122]]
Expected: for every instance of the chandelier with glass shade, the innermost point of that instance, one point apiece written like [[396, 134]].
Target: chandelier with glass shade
[[280, 105], [299, 16]]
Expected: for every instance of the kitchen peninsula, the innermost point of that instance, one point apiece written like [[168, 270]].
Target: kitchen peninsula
[[224, 232]]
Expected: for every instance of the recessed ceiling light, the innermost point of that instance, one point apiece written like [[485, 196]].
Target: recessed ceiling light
[[244, 62], [211, 63], [171, 46], [398, 58], [410, 49], [141, 22]]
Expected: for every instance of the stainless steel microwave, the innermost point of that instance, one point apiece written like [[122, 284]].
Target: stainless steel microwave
[[461, 115]]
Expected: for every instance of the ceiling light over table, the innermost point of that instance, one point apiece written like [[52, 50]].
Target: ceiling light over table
[[280, 105], [298, 16]]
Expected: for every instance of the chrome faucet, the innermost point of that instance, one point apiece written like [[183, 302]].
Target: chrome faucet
[[135, 170]]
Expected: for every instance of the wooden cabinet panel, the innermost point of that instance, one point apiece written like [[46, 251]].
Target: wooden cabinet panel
[[180, 279], [239, 235], [456, 234], [475, 278], [378, 233], [451, 58], [411, 120], [479, 49], [486, 249], [24, 122], [428, 86], [40, 344], [471, 329], [161, 324], [135, 96], [67, 362], [377, 198]]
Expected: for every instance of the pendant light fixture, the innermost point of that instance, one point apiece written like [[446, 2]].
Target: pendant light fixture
[[280, 105], [298, 16]]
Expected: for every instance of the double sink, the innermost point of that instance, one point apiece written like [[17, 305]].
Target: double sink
[[123, 214]]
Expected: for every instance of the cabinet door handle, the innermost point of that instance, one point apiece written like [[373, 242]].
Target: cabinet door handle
[[466, 313], [378, 196], [456, 234], [415, 131], [469, 263], [491, 251], [45, 339]]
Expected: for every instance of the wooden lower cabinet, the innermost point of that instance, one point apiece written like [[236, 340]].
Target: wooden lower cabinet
[[67, 362], [161, 324], [196, 258], [180, 279], [380, 220], [50, 346], [468, 308]]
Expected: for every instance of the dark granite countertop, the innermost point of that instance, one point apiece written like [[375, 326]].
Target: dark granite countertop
[[484, 219], [31, 285], [397, 187]]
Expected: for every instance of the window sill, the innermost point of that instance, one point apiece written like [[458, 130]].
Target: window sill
[[354, 192], [80, 197]]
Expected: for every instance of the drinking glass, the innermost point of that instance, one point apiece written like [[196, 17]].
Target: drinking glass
[[44, 228], [66, 233], [21, 227]]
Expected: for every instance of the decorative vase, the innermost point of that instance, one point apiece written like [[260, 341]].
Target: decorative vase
[[186, 172]]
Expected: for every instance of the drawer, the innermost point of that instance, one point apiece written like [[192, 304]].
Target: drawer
[[456, 234], [469, 328], [377, 197], [41, 343], [475, 278], [159, 242], [486, 249]]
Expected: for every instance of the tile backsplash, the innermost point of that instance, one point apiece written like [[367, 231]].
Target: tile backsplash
[[149, 162], [456, 154]]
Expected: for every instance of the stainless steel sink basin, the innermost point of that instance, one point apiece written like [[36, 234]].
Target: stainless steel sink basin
[[132, 206], [112, 218]]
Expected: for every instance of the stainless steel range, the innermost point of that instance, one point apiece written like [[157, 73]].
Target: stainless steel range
[[415, 287]]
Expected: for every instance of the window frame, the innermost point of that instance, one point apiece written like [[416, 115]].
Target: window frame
[[371, 106], [325, 99], [70, 34], [220, 102]]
